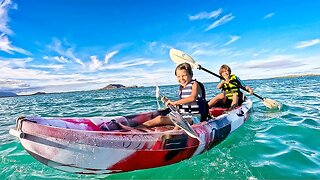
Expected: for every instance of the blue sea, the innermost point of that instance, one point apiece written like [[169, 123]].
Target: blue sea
[[272, 144]]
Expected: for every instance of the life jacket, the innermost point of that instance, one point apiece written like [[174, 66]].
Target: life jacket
[[200, 106], [232, 87]]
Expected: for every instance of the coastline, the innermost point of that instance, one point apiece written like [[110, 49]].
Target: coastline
[[5, 94], [120, 86], [295, 76]]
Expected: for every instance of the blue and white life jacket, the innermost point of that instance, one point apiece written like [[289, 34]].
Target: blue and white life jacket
[[197, 107]]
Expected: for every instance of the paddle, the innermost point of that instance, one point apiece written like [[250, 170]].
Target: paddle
[[179, 57], [177, 118], [157, 96]]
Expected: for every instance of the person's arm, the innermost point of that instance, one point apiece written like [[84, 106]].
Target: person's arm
[[191, 98], [248, 88], [220, 85]]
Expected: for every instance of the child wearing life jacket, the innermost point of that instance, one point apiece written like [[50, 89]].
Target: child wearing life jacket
[[191, 98], [229, 97]]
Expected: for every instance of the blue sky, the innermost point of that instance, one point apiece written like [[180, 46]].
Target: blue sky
[[67, 45]]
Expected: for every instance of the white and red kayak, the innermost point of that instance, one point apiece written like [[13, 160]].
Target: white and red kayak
[[98, 145]]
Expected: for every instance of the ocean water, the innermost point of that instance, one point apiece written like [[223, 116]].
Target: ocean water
[[272, 144]]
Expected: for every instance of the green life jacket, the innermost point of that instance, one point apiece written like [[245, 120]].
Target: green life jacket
[[230, 88]]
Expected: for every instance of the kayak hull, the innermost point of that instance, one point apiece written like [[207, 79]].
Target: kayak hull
[[94, 153], [80, 145]]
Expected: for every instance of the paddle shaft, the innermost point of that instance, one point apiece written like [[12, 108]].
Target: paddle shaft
[[240, 86]]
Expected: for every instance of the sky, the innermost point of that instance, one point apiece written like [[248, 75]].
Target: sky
[[67, 45]]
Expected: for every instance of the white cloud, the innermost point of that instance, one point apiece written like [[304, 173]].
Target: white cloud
[[274, 62], [64, 50], [22, 73], [194, 45], [206, 15], [220, 22], [233, 39], [304, 44], [31, 80], [15, 62], [12, 83], [15, 69], [277, 65], [134, 62], [139, 76], [26, 81], [260, 52], [49, 66], [212, 51], [77, 60], [270, 15], [95, 64], [109, 56], [5, 5], [60, 59], [158, 47], [5, 45]]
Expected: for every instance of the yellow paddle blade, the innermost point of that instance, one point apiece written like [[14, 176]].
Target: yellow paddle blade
[[270, 103], [179, 57]]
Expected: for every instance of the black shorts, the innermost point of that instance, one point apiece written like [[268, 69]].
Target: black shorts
[[224, 105], [228, 103]]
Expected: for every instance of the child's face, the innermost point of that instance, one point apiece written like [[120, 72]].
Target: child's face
[[183, 77], [224, 72]]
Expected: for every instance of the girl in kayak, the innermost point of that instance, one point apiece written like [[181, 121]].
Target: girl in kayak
[[191, 103], [231, 96]]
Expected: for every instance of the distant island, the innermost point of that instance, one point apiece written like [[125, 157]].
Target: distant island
[[12, 94], [116, 86], [37, 93], [297, 75]]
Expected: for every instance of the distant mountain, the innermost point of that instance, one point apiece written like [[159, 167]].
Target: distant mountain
[[113, 86], [7, 94], [116, 86], [37, 93]]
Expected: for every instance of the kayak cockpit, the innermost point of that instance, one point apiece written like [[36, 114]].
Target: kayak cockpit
[[99, 123]]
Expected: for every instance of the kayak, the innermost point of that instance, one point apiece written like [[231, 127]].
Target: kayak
[[99, 145]]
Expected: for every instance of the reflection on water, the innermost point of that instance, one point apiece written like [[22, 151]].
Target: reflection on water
[[281, 144]]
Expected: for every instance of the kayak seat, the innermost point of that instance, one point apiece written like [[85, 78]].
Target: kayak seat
[[110, 126], [113, 125]]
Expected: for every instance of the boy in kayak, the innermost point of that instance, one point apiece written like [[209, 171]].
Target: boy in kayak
[[231, 94], [191, 103]]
